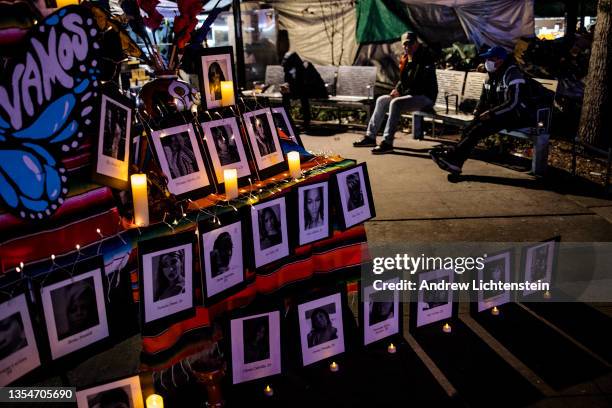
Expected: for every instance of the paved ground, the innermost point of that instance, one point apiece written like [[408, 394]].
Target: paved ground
[[416, 202]]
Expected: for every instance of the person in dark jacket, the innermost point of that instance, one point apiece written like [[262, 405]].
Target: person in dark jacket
[[302, 81], [416, 90], [505, 103]]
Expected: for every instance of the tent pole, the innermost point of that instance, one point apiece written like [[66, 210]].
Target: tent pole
[[240, 69]]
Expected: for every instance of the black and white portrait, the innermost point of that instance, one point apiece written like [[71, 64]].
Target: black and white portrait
[[225, 146], [125, 393], [75, 307], [216, 68], [256, 346], [181, 159], [114, 138], [321, 328], [263, 138], [313, 208], [179, 154], [539, 262], [355, 196], [270, 226], [282, 122], [223, 265], [167, 275], [434, 305], [75, 312], [496, 269], [18, 349], [380, 313]]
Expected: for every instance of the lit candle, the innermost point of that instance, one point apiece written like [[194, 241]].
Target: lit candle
[[268, 391], [495, 311], [447, 328], [227, 93], [64, 3], [155, 401], [141, 199], [333, 367], [230, 178], [547, 295], [391, 349], [294, 164]]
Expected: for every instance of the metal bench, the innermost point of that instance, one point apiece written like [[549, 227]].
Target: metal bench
[[472, 88]]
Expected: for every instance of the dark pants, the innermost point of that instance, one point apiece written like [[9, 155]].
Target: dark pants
[[305, 106], [479, 129]]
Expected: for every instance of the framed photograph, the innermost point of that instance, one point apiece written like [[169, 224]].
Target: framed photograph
[[321, 328], [381, 313], [114, 140], [539, 262], [75, 307], [18, 348], [166, 268], [125, 393], [270, 233], [283, 121], [264, 141], [181, 160], [226, 149], [313, 213], [255, 346], [497, 268], [222, 256], [216, 65], [432, 305], [353, 187]]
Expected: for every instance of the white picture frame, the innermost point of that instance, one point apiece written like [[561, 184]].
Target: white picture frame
[[354, 196], [319, 343], [380, 317], [279, 114], [220, 273], [436, 305], [212, 95], [270, 233], [255, 346], [235, 156], [19, 352], [496, 268], [539, 263], [313, 213], [263, 138], [114, 138], [125, 391]]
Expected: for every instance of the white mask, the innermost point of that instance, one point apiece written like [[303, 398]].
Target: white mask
[[490, 66]]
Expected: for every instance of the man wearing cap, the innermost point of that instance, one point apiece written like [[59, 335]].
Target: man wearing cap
[[416, 90], [505, 103]]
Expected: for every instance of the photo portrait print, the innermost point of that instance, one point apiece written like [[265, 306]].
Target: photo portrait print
[[75, 310], [18, 349], [166, 270], [355, 195], [180, 159], [270, 237], [114, 140], [263, 138], [539, 262], [256, 346], [225, 147], [380, 313], [125, 393], [434, 305], [496, 269], [216, 67], [313, 212], [321, 328], [221, 257]]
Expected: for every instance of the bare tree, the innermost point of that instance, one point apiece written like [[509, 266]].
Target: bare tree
[[333, 15], [595, 120]]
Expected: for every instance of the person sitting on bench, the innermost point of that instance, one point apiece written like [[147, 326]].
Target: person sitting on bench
[[416, 90], [505, 103]]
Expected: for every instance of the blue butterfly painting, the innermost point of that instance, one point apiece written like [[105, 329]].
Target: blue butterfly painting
[[47, 98]]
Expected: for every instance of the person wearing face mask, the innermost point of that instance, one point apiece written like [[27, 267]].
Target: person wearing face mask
[[416, 90], [505, 103]]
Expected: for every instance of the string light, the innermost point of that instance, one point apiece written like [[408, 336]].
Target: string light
[[78, 247]]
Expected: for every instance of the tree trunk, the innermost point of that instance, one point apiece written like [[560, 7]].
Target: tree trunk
[[595, 120]]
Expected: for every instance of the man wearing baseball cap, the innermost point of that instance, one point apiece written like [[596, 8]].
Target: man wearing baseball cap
[[505, 103], [416, 90]]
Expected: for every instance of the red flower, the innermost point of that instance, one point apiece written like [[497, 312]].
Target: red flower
[[186, 21], [154, 18]]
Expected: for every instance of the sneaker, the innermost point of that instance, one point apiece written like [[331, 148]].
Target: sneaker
[[365, 142], [382, 148], [446, 163]]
